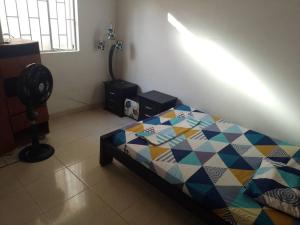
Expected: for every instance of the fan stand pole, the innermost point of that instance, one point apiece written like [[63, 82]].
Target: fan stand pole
[[36, 152], [34, 134]]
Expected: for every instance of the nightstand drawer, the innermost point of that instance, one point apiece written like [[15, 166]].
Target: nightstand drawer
[[149, 108], [112, 93], [154, 102], [113, 105], [145, 116]]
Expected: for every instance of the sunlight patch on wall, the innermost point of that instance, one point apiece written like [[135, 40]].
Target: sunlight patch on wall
[[219, 63], [225, 67]]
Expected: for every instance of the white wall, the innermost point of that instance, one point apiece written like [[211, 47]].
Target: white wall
[[261, 36], [78, 76]]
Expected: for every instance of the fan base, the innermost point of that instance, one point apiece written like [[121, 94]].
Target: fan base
[[37, 153]]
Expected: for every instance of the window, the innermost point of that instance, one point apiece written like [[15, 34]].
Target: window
[[50, 22]]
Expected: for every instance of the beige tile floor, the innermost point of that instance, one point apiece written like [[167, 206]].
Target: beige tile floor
[[72, 189]]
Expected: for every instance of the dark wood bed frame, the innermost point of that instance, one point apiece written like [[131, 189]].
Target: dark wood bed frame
[[108, 152]]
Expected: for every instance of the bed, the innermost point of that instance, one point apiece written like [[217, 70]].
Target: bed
[[205, 165]]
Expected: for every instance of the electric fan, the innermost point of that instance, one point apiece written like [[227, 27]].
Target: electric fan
[[34, 88]]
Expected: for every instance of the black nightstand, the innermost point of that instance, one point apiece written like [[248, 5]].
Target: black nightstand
[[154, 102], [116, 93]]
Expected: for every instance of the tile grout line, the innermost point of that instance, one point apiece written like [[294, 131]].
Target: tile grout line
[[60, 145], [44, 212], [24, 188], [37, 204], [30, 196], [108, 205], [37, 179], [72, 164]]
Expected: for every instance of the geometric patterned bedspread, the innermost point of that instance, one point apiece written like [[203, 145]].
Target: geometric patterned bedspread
[[212, 164]]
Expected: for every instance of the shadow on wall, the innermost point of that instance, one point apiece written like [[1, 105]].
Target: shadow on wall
[[225, 67]]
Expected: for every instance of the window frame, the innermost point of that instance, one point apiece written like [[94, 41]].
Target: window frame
[[70, 25]]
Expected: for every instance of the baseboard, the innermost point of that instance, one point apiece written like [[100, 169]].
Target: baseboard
[[76, 110]]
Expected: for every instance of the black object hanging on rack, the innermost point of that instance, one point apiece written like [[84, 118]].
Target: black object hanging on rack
[[110, 61], [118, 45], [34, 87]]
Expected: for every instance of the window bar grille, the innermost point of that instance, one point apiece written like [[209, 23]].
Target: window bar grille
[[40, 28], [74, 34], [50, 29], [67, 15], [17, 10], [57, 24], [29, 20], [5, 9], [70, 24], [65, 6]]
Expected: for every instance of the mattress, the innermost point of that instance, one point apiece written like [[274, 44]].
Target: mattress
[[212, 162]]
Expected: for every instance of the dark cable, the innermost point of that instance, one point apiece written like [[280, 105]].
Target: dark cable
[[110, 62]]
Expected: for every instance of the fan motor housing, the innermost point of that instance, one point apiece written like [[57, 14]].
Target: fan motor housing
[[35, 85]]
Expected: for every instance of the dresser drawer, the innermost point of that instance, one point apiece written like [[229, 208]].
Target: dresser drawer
[[15, 106], [20, 122], [14, 66]]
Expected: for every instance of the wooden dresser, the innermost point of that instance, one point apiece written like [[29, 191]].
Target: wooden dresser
[[14, 57]]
